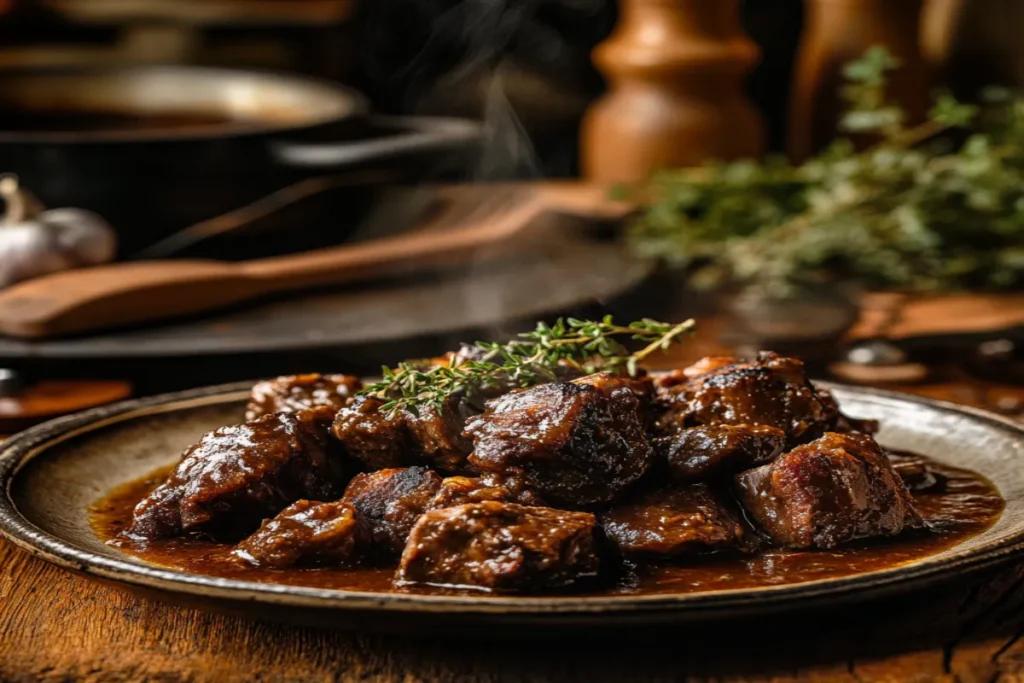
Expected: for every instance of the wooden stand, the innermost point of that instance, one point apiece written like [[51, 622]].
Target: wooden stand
[[837, 31], [676, 70], [975, 43]]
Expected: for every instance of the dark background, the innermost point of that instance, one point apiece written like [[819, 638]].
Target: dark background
[[410, 48], [437, 56]]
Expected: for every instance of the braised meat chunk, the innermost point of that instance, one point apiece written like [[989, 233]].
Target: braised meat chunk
[[836, 489], [574, 443], [381, 440], [674, 521], [461, 490], [709, 364], [501, 547], [391, 500], [642, 386], [437, 434], [158, 515], [236, 477], [669, 379], [374, 438], [703, 453], [770, 390], [298, 392], [305, 532]]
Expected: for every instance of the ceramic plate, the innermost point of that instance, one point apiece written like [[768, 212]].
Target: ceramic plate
[[50, 474]]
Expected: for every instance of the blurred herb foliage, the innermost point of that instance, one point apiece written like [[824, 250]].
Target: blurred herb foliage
[[931, 207]]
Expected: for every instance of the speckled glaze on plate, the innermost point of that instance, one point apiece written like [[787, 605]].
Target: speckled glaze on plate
[[50, 474]]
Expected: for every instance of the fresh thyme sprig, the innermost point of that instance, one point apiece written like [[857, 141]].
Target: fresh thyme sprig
[[930, 206], [536, 357]]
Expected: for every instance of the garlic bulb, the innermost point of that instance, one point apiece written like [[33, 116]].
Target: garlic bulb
[[35, 242], [84, 236]]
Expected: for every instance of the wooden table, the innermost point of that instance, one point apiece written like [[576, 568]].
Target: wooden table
[[55, 626]]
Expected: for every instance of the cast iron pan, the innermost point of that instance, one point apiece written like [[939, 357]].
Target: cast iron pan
[[155, 149]]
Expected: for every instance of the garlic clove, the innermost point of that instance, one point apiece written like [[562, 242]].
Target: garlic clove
[[28, 250], [85, 236]]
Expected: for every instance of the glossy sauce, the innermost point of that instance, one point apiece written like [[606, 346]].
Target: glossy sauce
[[966, 505]]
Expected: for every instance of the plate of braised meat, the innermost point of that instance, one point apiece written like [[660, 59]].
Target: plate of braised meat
[[550, 479]]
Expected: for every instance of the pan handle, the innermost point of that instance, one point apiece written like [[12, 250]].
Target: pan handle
[[425, 135]]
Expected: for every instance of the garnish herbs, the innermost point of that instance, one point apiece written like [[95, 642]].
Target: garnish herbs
[[534, 358]]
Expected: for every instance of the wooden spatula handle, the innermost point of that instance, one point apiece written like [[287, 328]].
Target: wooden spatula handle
[[106, 296], [128, 293], [424, 248]]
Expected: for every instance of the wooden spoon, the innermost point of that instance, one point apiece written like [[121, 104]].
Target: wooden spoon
[[127, 293]]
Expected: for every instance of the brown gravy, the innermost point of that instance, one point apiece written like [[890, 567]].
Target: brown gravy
[[965, 506]]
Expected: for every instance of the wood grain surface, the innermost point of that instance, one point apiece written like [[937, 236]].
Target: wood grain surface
[[55, 626]]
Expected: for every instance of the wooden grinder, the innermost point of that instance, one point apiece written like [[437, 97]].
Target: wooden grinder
[[836, 32], [675, 70]]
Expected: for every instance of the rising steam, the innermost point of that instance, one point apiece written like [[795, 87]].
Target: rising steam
[[435, 50]]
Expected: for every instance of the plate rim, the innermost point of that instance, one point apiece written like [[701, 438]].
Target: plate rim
[[20, 449]]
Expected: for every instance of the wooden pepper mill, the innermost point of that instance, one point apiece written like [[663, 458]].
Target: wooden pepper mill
[[839, 31], [675, 70]]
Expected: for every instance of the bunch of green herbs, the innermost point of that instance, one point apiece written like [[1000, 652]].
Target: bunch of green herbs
[[931, 207]]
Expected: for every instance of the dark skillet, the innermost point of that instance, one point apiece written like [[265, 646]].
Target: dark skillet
[[155, 149]]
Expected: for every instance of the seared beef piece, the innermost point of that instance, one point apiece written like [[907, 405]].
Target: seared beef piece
[[236, 477], [379, 440], [674, 521], [442, 443], [437, 436], [710, 364], [915, 472], [830, 491], [845, 423], [501, 547], [666, 381], [305, 532], [299, 392], [703, 453], [158, 515], [642, 386], [770, 390], [374, 438], [574, 443], [391, 501], [461, 490]]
